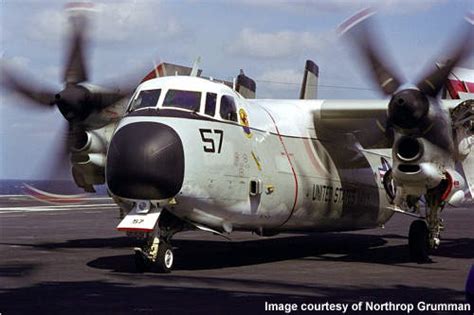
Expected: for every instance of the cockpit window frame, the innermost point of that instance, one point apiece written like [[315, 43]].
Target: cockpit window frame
[[216, 103], [218, 111], [137, 94], [165, 94], [204, 94]]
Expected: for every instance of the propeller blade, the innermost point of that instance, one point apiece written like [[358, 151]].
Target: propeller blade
[[78, 99], [28, 88], [433, 82], [75, 135], [109, 99], [75, 70], [117, 89], [57, 165], [358, 28], [101, 100]]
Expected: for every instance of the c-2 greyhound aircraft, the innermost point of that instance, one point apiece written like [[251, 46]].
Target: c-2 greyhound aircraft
[[192, 153]]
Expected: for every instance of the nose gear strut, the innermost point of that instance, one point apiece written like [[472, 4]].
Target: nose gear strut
[[156, 254]]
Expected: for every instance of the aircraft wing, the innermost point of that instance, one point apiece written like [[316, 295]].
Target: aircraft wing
[[350, 109], [364, 109], [366, 119]]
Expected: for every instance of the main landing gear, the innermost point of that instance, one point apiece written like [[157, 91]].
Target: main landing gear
[[156, 254], [425, 235]]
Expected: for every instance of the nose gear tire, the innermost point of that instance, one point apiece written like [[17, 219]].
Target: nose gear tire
[[164, 259]]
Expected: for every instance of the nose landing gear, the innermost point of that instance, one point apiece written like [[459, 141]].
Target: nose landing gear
[[157, 252], [157, 256]]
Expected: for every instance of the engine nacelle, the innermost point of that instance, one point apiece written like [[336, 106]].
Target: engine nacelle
[[418, 164], [91, 159], [89, 142], [88, 170], [418, 177], [89, 156]]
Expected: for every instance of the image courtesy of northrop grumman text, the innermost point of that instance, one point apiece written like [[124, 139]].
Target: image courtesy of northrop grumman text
[[365, 307]]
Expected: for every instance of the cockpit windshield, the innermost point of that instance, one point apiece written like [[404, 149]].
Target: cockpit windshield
[[189, 100], [146, 98]]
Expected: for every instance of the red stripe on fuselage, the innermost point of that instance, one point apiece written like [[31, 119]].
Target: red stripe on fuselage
[[291, 166]]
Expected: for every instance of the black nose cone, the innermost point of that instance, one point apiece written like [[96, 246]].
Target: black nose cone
[[145, 161]]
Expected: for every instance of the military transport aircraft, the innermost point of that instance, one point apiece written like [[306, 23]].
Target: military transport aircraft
[[193, 153]]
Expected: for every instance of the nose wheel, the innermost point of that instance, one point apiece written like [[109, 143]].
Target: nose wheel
[[165, 258], [158, 256], [157, 253]]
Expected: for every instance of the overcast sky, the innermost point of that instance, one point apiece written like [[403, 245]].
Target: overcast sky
[[269, 39]]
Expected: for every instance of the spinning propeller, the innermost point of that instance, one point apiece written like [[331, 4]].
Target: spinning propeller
[[77, 100], [412, 111]]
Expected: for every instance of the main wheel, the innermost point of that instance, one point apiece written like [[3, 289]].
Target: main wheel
[[165, 258], [418, 242]]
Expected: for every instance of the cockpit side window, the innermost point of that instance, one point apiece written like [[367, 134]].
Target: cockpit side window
[[228, 110], [146, 98], [183, 99], [210, 108]]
